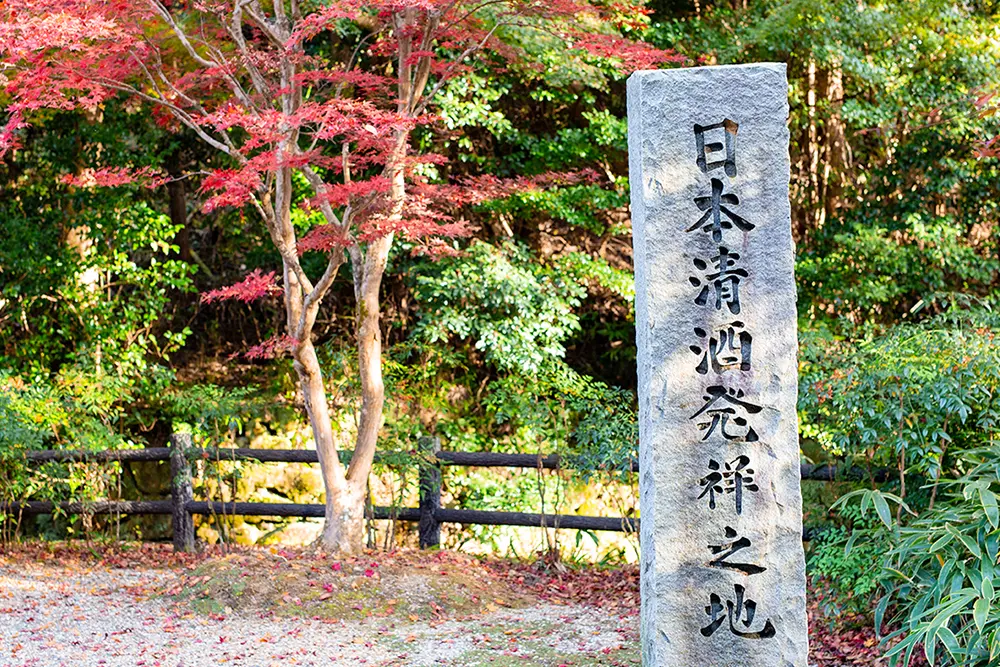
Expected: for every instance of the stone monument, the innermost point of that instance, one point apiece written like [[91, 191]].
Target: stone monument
[[723, 570]]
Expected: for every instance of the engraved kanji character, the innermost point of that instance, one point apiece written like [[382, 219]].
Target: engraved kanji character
[[739, 478], [727, 549], [728, 163], [726, 280], [721, 416], [732, 477], [712, 483], [728, 349], [717, 215], [743, 606]]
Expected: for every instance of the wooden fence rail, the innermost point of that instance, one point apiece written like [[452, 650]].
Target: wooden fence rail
[[809, 471], [429, 515]]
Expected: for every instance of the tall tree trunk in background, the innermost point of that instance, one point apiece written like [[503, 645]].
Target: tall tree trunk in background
[[812, 152], [178, 216], [836, 150], [177, 205], [823, 162]]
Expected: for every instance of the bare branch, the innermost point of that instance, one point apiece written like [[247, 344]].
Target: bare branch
[[181, 35], [258, 204], [279, 15], [201, 60], [234, 151], [470, 12], [402, 25], [235, 29], [177, 112], [319, 187], [424, 68]]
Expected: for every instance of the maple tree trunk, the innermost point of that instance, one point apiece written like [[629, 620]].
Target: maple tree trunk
[[369, 341], [343, 527], [368, 283]]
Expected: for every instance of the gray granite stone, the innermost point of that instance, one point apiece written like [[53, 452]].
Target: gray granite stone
[[684, 438]]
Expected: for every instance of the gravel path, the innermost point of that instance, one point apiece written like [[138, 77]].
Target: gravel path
[[51, 616]]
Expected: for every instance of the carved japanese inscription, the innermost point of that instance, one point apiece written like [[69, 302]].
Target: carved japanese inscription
[[723, 578]]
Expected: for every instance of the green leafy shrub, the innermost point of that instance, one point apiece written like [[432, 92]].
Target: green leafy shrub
[[849, 566], [941, 574], [924, 400]]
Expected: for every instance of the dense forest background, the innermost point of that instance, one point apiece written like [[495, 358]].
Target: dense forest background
[[525, 340]]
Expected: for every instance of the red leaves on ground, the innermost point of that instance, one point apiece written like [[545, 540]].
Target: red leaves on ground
[[614, 589], [131, 555]]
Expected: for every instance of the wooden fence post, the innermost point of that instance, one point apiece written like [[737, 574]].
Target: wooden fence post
[[181, 492], [430, 493]]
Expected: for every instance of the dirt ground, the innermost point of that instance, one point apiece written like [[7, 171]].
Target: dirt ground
[[143, 606], [277, 608]]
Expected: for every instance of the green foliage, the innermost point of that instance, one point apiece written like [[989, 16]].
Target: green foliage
[[103, 303], [518, 314], [570, 147], [80, 410], [871, 270], [103, 268], [77, 410], [849, 565], [915, 391], [940, 574], [581, 206], [924, 397], [588, 268], [593, 423], [212, 410], [515, 312]]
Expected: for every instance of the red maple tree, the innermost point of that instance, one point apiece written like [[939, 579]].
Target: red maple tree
[[299, 91]]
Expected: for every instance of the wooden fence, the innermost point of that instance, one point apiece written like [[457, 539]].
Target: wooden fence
[[429, 515]]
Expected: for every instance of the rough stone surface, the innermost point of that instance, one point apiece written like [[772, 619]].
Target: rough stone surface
[[677, 447]]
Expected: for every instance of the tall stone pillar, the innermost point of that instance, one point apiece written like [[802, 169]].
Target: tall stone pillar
[[723, 571]]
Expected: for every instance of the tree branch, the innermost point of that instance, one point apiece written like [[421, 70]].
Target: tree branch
[[319, 187], [181, 35], [236, 32], [444, 78], [310, 306], [178, 113]]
